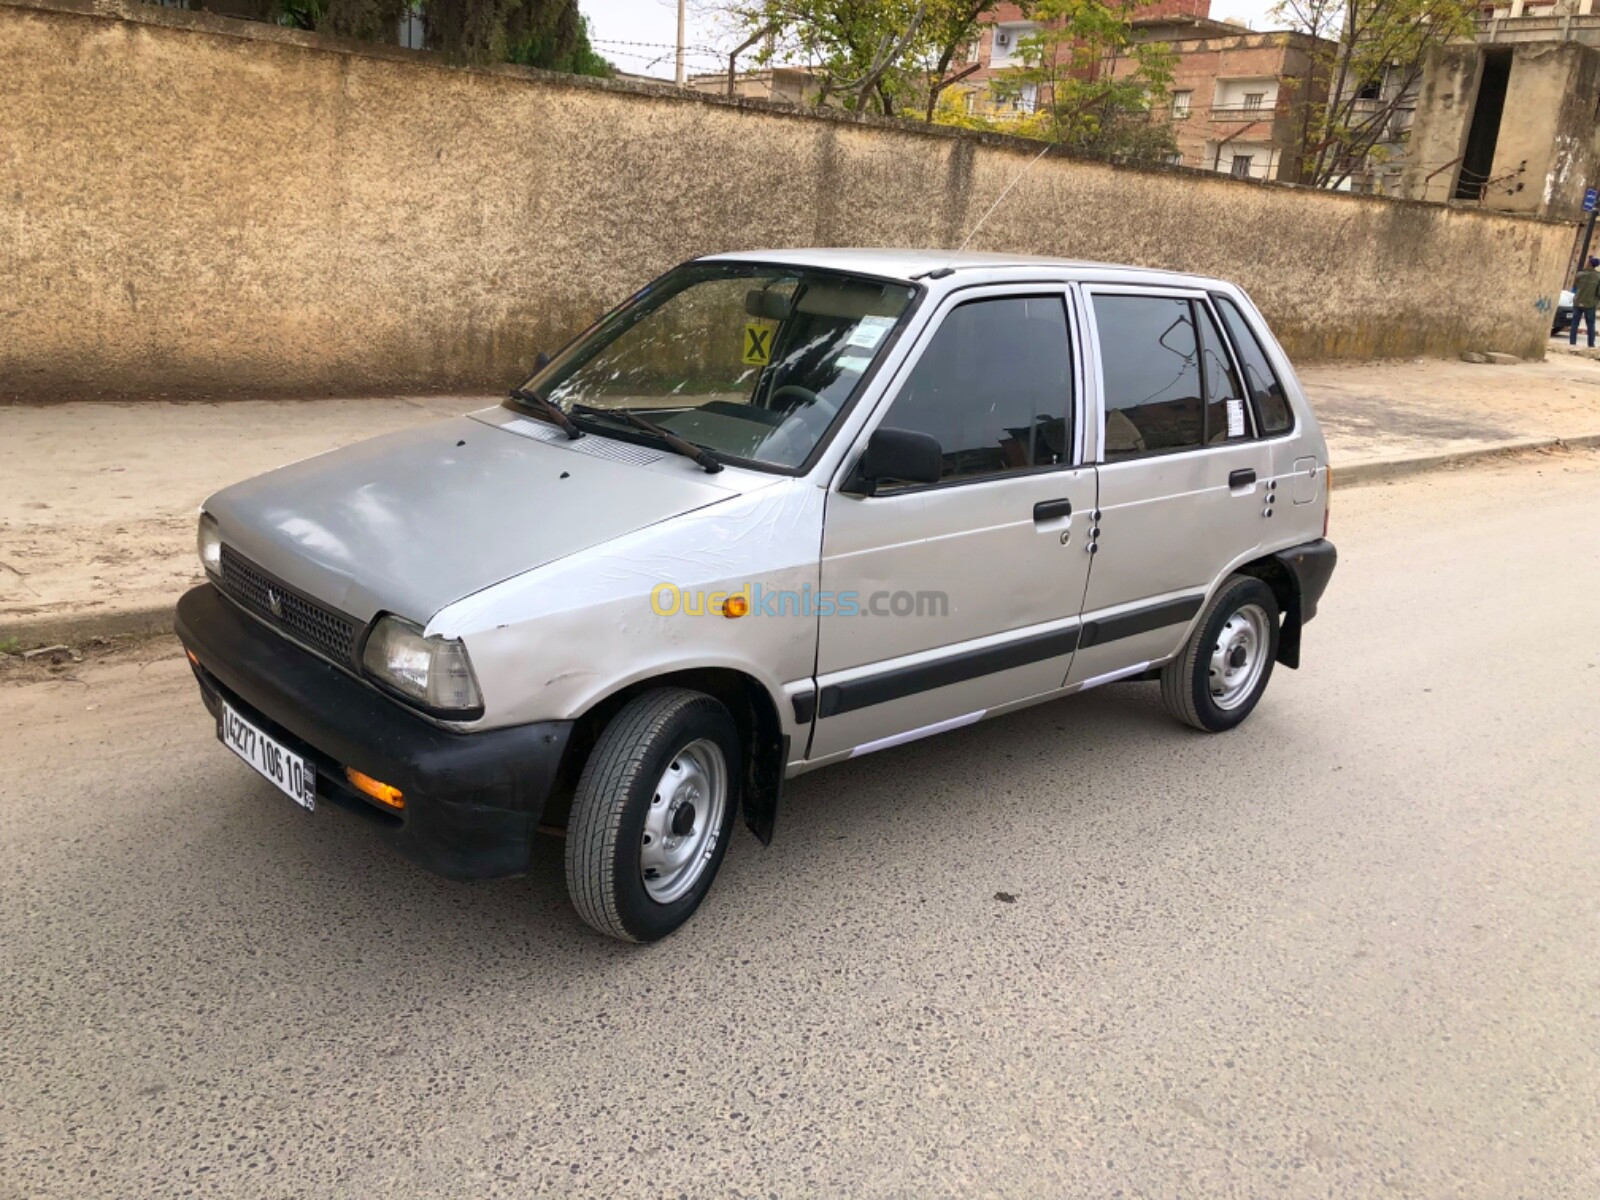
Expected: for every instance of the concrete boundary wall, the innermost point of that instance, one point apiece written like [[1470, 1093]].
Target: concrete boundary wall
[[195, 205]]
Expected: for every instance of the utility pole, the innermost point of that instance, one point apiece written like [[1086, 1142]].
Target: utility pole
[[681, 78]]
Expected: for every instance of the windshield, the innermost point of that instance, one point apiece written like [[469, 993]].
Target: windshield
[[749, 361]]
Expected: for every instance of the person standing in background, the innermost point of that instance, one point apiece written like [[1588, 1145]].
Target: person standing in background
[[1585, 295]]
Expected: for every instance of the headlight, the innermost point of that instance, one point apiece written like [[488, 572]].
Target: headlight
[[430, 671], [209, 543]]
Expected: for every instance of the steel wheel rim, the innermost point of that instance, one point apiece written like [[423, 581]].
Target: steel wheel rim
[[1240, 656], [684, 821]]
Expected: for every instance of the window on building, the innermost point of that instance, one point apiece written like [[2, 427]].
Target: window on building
[[1028, 98], [1175, 159], [1372, 89], [1005, 49], [1272, 407], [1150, 358], [991, 421], [1182, 102], [1241, 166], [1252, 101]]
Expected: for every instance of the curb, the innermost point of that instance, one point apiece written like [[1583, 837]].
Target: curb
[[154, 621], [1385, 470], [74, 629]]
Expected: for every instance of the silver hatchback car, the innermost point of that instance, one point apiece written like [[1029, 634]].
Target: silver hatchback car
[[777, 510]]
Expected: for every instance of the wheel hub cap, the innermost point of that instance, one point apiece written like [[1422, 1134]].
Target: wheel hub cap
[[684, 821], [1240, 656]]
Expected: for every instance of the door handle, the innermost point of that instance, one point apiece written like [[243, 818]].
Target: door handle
[[1048, 510], [1242, 477]]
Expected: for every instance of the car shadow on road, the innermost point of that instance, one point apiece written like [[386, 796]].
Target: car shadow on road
[[317, 908]]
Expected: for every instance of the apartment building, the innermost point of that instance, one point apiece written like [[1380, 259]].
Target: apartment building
[[1238, 97]]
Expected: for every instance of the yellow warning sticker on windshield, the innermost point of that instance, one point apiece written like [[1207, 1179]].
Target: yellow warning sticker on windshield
[[758, 344]]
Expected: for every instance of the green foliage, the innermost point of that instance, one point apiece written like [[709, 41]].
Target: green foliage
[[551, 34], [1371, 59], [884, 56], [561, 49], [1093, 85]]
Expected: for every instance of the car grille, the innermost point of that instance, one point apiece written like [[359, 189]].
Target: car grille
[[322, 629]]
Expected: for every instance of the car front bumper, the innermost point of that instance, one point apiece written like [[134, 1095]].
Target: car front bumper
[[472, 800]]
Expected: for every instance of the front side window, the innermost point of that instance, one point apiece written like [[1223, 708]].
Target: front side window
[[994, 387], [746, 360], [1272, 405]]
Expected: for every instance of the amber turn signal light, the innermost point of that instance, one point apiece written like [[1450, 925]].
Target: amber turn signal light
[[385, 795], [735, 606]]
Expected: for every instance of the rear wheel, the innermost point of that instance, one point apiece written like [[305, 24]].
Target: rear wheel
[[1223, 669], [652, 814]]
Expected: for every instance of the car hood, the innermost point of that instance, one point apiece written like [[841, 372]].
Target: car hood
[[412, 521]]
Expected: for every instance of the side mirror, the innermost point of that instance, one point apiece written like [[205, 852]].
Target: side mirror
[[541, 360], [899, 455]]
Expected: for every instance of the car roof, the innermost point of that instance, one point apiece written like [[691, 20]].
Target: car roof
[[909, 264]]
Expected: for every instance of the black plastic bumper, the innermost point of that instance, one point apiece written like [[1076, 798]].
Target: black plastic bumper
[[1309, 567], [472, 800], [1312, 565]]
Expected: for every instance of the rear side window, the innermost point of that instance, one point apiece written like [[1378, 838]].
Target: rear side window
[[1272, 405], [993, 386], [1225, 419], [1151, 359]]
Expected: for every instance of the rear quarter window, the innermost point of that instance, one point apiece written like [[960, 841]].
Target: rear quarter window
[[1262, 382]]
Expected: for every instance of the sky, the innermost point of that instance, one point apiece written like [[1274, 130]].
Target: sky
[[638, 35]]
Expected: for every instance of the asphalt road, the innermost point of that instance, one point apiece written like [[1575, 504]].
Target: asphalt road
[[1352, 949]]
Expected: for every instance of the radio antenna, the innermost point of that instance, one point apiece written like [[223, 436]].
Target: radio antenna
[[1016, 179]]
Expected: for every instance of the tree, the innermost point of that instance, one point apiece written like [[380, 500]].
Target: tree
[[884, 56], [1371, 55], [1085, 83], [551, 34]]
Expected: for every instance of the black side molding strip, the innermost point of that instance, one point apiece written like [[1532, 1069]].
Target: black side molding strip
[[970, 664], [805, 707], [901, 682], [1140, 620]]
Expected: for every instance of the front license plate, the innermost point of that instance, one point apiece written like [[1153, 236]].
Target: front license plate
[[293, 775]]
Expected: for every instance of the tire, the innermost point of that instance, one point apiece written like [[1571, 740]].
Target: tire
[[663, 752], [1206, 685]]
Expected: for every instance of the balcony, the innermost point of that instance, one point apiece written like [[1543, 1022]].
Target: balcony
[[1234, 113]]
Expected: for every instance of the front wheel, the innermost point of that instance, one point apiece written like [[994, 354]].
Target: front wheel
[[652, 814], [1219, 676]]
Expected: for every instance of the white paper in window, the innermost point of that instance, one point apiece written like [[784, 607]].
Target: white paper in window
[[1235, 418]]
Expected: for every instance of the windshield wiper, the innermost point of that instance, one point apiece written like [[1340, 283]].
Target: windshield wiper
[[568, 425], [687, 449]]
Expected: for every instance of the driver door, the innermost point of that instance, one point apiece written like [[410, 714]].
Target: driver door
[[951, 599]]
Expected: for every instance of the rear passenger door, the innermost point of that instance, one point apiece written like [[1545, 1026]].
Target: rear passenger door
[[1182, 475]]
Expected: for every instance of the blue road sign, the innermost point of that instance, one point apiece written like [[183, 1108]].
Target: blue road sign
[[1591, 199]]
